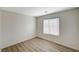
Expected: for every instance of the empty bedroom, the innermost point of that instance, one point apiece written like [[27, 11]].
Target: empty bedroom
[[39, 29]]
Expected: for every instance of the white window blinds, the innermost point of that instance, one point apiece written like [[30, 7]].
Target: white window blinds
[[51, 26]]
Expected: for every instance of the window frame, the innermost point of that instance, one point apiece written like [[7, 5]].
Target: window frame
[[50, 19]]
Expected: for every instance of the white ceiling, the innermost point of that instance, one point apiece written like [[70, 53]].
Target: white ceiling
[[35, 11]]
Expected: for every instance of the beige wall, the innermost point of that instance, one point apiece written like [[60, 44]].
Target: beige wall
[[16, 28], [0, 31], [69, 28]]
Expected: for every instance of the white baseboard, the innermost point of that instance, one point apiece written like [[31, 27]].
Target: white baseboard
[[61, 44], [15, 42]]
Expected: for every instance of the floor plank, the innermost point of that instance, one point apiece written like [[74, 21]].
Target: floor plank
[[36, 45]]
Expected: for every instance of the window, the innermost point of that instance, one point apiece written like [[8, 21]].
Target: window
[[51, 26]]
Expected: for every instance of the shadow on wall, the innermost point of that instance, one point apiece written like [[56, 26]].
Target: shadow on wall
[[69, 21]]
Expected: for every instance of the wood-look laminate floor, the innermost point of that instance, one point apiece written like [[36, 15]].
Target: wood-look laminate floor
[[36, 45]]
